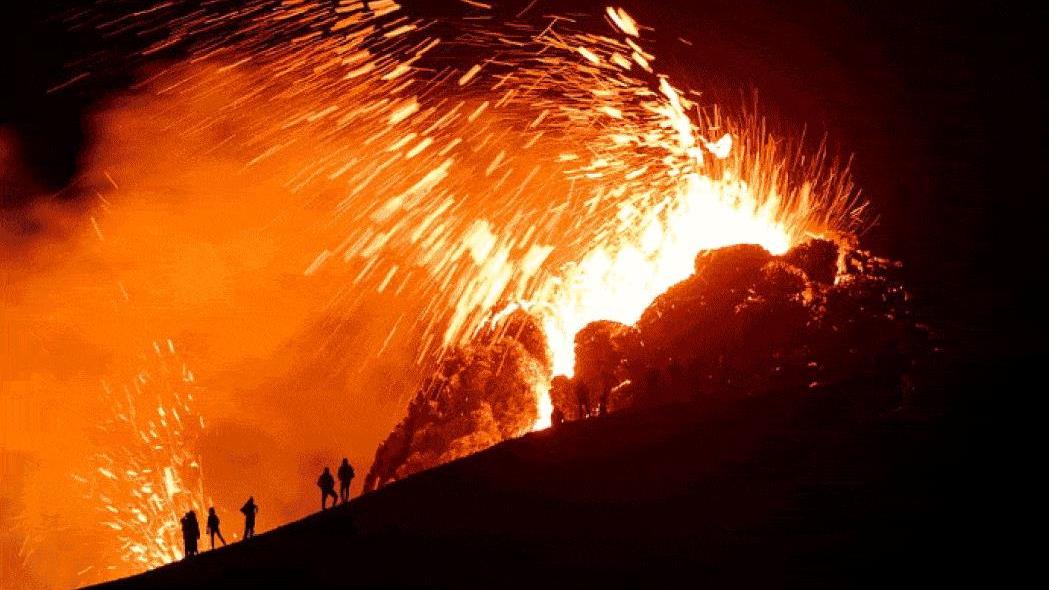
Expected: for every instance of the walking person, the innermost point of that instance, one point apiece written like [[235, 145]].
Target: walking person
[[249, 509], [213, 527], [327, 485], [345, 477]]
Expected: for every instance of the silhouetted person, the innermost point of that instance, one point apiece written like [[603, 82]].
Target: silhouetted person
[[557, 417], [249, 509], [345, 477], [213, 527], [327, 485], [190, 532], [582, 396]]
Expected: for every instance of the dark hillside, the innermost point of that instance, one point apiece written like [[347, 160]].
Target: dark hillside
[[825, 487]]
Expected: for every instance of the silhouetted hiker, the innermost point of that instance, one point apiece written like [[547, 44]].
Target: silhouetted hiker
[[327, 485], [249, 509], [582, 395], [602, 403], [213, 527], [345, 477], [190, 532], [557, 417]]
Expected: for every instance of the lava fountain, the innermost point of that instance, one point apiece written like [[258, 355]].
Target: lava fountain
[[559, 173], [476, 165], [152, 475], [651, 182]]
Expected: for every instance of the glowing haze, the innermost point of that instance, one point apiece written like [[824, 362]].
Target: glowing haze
[[420, 178]]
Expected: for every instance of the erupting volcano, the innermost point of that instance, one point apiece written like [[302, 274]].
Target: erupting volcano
[[503, 218]]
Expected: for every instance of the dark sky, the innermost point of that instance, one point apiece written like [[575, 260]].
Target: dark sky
[[938, 102]]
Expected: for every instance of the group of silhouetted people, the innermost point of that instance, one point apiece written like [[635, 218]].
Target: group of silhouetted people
[[191, 526], [326, 482], [586, 407]]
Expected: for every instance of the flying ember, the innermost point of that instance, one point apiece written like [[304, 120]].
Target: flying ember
[[153, 474], [470, 171]]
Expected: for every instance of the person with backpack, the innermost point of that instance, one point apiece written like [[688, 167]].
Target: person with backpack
[[249, 510], [327, 485], [190, 532], [345, 477]]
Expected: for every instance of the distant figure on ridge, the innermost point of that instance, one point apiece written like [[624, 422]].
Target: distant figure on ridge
[[213, 527], [190, 532], [345, 477], [557, 417], [327, 485], [582, 395], [249, 509]]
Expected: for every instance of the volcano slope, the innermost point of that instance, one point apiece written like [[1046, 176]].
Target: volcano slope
[[829, 487]]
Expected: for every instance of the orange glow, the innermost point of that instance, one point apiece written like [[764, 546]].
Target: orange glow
[[314, 222], [146, 486]]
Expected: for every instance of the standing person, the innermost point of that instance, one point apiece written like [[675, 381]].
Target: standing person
[[213, 527], [602, 404], [582, 396], [557, 417], [327, 485], [249, 509], [345, 477], [190, 532]]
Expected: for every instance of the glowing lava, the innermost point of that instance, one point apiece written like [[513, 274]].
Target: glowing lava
[[558, 172], [145, 486]]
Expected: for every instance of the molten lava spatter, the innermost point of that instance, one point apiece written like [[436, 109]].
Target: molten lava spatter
[[502, 183], [152, 475], [744, 323]]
